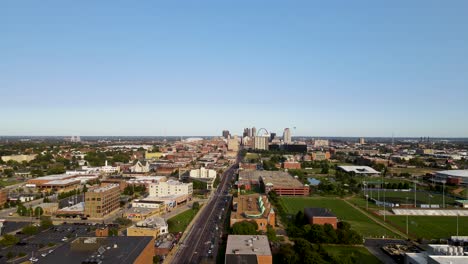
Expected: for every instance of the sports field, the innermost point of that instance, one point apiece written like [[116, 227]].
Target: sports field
[[430, 227], [422, 197], [361, 254], [359, 222], [179, 222]]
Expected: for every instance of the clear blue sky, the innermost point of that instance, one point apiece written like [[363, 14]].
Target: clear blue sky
[[340, 68]]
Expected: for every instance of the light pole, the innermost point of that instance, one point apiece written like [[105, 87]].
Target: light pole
[[407, 217], [415, 193], [384, 211], [457, 221], [443, 194]]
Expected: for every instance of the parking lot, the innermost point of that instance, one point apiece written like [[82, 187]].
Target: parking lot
[[47, 240]]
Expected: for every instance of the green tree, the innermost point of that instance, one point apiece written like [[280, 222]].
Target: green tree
[[38, 211], [30, 230], [245, 228], [271, 234], [9, 240], [46, 222], [196, 206]]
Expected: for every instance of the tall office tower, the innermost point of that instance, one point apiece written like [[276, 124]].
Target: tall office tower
[[287, 136], [247, 132], [362, 141], [272, 136], [226, 134], [261, 142], [254, 132]]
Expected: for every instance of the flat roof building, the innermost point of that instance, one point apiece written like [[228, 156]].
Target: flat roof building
[[153, 226], [102, 201], [104, 250], [282, 183], [248, 249]]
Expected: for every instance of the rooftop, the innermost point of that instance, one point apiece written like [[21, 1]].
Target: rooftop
[[114, 250], [55, 177], [278, 179], [152, 222], [359, 169], [63, 182], [104, 188], [248, 245], [248, 206], [455, 173]]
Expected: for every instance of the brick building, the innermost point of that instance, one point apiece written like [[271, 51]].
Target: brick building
[[102, 201], [248, 249], [320, 216], [254, 207]]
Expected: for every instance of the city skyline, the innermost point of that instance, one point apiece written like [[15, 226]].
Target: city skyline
[[361, 69]]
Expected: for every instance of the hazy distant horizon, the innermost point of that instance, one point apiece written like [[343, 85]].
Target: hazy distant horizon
[[208, 136]]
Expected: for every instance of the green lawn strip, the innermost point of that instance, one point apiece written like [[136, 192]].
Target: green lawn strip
[[361, 254], [179, 222]]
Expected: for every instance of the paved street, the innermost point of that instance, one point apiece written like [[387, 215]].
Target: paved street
[[203, 233]]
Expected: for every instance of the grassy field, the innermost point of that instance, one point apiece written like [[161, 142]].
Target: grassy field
[[421, 197], [362, 255], [250, 156], [4, 183], [179, 222], [359, 222], [430, 227]]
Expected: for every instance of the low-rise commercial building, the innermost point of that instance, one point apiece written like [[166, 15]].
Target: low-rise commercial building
[[153, 226], [248, 249], [141, 213]]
